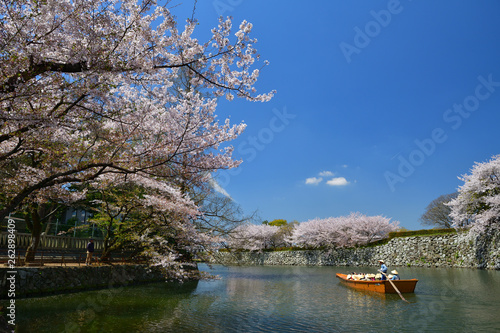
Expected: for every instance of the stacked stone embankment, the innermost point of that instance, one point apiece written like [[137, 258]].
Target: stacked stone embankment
[[449, 250], [33, 281]]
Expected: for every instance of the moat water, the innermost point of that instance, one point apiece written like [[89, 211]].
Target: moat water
[[275, 299]]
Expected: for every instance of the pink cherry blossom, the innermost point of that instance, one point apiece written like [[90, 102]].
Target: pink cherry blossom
[[88, 88], [478, 201]]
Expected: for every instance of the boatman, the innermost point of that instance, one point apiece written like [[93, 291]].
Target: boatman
[[383, 269]]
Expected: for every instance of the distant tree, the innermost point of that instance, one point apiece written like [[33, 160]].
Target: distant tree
[[268, 235], [354, 229], [437, 212], [253, 237], [219, 214], [285, 231], [278, 223]]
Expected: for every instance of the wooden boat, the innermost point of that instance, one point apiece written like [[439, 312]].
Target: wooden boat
[[380, 286]]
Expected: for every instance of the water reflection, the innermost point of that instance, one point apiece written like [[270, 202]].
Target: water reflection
[[276, 299], [101, 311]]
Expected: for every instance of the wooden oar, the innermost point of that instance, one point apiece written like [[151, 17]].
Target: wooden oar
[[400, 295]]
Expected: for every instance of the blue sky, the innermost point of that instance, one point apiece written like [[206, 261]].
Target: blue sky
[[387, 102]]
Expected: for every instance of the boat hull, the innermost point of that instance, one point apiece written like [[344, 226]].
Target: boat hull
[[379, 286]]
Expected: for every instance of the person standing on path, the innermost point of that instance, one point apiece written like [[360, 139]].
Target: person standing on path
[[90, 252]]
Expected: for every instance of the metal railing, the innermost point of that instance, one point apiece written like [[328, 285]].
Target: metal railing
[[61, 250], [23, 240], [64, 257]]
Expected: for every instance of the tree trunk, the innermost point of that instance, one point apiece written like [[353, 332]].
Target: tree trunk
[[108, 244], [47, 226], [105, 255], [36, 230]]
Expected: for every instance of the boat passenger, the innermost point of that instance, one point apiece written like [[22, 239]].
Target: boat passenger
[[383, 269], [395, 275]]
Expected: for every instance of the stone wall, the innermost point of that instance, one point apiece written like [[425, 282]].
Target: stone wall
[[451, 250], [32, 281]]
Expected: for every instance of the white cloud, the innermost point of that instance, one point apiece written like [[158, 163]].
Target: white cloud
[[313, 180], [339, 181], [326, 174], [217, 187]]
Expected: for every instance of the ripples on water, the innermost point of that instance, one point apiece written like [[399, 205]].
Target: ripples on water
[[275, 299]]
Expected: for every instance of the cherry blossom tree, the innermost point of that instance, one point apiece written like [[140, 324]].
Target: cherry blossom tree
[[122, 209], [316, 233], [127, 214], [354, 229], [478, 201], [367, 229], [253, 237], [88, 96], [84, 92]]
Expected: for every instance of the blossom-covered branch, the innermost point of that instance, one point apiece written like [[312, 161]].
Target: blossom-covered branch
[[86, 90], [478, 201]]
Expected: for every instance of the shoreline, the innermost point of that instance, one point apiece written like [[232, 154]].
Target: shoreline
[[453, 250]]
